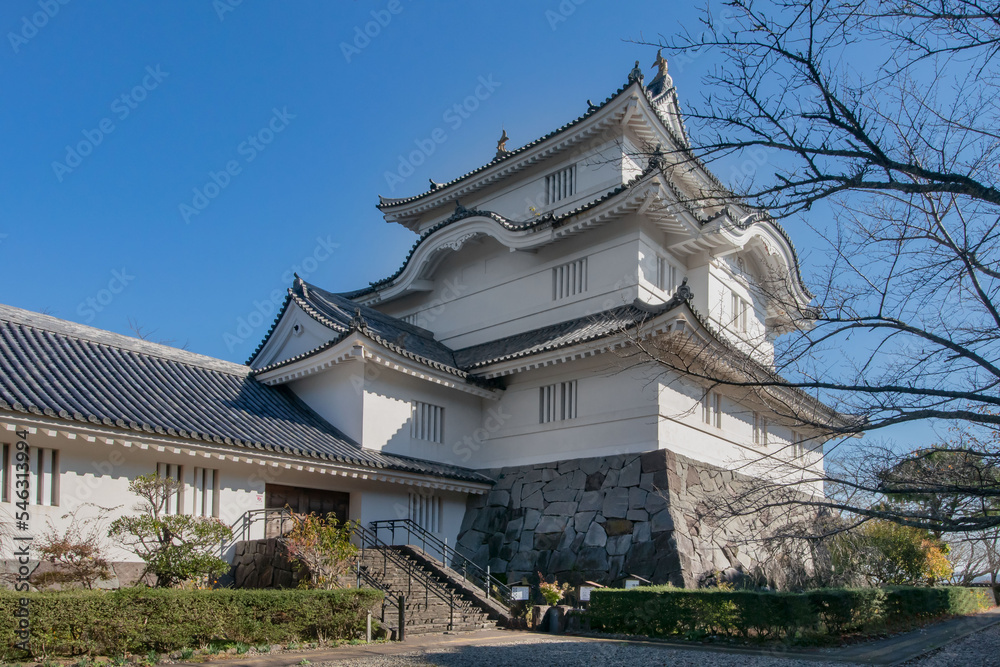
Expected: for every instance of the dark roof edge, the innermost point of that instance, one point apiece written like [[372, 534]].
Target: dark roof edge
[[120, 341]]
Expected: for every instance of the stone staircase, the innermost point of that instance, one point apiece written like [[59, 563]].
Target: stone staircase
[[432, 603]]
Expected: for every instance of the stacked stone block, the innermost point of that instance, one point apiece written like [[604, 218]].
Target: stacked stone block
[[603, 519]]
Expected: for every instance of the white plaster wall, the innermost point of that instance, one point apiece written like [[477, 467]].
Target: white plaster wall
[[97, 475], [486, 292], [387, 415], [616, 413], [337, 395], [682, 429]]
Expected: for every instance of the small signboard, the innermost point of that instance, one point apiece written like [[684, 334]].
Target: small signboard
[[520, 593], [632, 583], [585, 593]]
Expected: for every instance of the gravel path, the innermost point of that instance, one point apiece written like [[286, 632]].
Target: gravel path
[[981, 649], [533, 650]]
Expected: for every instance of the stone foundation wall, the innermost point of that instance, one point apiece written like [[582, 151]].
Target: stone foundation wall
[[264, 564], [602, 519]]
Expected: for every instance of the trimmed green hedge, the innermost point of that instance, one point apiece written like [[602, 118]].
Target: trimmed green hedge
[[137, 620], [662, 611]]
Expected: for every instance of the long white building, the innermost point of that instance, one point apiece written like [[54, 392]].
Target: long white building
[[490, 389]]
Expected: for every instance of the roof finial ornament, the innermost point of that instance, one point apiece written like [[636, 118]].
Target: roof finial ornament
[[635, 74], [591, 106], [660, 63], [459, 209], [502, 144], [434, 185], [683, 291], [656, 160], [662, 82]]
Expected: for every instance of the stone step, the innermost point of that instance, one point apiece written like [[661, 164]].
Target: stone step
[[425, 612]]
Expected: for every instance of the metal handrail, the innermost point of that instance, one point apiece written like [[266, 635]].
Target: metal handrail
[[479, 577], [370, 540], [240, 529]]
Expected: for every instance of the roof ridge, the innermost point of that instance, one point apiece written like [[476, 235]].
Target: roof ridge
[[91, 334]]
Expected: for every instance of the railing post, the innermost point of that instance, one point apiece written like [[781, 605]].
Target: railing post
[[451, 621], [444, 554], [488, 577], [402, 617]]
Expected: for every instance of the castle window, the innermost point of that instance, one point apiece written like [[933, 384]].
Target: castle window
[[175, 501], [711, 409], [5, 474], [666, 275], [557, 402], [412, 318], [425, 511], [798, 445], [46, 477], [206, 492], [759, 429], [560, 185], [427, 422], [569, 279], [740, 312]]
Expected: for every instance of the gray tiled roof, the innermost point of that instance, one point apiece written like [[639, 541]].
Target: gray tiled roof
[[80, 374], [555, 336], [341, 312]]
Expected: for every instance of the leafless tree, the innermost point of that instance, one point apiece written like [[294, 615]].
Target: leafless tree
[[882, 118]]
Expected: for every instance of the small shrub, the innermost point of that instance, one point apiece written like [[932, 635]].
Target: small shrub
[[175, 547], [552, 592]]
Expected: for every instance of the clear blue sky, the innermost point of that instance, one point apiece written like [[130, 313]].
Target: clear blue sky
[[182, 86], [115, 113]]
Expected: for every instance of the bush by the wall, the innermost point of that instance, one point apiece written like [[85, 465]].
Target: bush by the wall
[[662, 611], [137, 620]]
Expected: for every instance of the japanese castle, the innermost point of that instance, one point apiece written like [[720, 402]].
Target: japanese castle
[[492, 391]]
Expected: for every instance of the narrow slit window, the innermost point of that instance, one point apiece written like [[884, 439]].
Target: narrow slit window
[[5, 474], [46, 476], [560, 185], [174, 503], [427, 422], [666, 275], [557, 402], [426, 510], [569, 279], [759, 429], [711, 409]]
